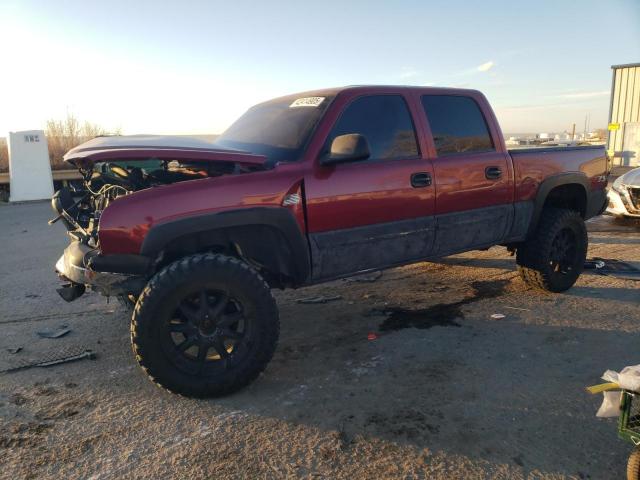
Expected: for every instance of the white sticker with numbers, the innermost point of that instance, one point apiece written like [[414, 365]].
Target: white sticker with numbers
[[307, 102]]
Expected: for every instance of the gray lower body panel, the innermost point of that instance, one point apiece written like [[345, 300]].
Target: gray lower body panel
[[341, 252], [522, 215], [472, 228], [370, 247]]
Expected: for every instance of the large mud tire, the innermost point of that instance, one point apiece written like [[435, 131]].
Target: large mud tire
[[553, 258], [205, 326]]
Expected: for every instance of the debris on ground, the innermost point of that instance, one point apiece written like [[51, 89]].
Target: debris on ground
[[372, 336], [618, 269], [320, 299], [365, 278], [70, 354], [61, 331], [498, 316], [591, 264], [627, 379], [15, 350]]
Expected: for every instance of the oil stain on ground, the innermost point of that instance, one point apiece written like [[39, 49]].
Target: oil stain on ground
[[441, 314]]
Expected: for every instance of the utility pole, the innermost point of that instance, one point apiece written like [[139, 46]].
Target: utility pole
[[584, 137], [573, 132]]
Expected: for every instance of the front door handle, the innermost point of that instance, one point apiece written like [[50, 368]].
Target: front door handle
[[420, 179], [492, 173]]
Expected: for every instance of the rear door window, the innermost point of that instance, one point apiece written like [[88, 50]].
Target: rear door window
[[457, 124], [386, 123]]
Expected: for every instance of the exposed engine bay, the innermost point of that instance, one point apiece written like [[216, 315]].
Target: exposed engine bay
[[80, 208]]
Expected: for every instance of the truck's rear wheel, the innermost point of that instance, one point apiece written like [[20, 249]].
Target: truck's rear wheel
[[553, 258], [205, 326]]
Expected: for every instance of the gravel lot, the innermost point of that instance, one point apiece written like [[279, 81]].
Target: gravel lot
[[443, 392]]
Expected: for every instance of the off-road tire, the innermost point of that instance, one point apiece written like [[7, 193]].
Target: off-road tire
[[160, 296], [633, 465], [535, 256]]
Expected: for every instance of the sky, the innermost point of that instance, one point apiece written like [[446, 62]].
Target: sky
[[192, 67]]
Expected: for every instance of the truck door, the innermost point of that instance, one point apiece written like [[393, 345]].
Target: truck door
[[376, 212], [473, 178]]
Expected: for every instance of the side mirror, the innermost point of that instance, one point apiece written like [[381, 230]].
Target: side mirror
[[347, 148]]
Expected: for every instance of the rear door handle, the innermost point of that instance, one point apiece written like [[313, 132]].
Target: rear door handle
[[420, 179], [492, 173]]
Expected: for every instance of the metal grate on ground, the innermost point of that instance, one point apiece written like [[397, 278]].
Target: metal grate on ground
[[52, 357]]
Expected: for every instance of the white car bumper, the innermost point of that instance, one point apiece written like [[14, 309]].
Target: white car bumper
[[620, 205]]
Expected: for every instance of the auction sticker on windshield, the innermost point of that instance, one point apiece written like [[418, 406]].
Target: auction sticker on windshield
[[307, 102]]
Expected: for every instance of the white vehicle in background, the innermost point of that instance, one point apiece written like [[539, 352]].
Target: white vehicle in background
[[624, 195]]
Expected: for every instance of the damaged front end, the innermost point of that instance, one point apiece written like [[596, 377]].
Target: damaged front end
[[113, 167], [624, 195], [113, 275], [81, 264]]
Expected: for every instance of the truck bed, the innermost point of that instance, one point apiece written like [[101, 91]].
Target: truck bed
[[533, 165], [554, 149]]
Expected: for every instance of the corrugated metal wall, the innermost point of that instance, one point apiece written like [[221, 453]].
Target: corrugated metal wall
[[625, 102]]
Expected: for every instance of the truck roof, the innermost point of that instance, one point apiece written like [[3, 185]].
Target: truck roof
[[373, 89]]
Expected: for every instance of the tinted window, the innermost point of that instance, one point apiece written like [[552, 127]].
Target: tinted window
[[278, 129], [386, 123], [457, 124]]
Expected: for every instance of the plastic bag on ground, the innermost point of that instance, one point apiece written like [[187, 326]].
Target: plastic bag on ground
[[610, 405], [628, 378]]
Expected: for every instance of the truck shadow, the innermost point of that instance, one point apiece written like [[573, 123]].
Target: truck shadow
[[510, 265], [617, 240], [621, 294], [510, 393]]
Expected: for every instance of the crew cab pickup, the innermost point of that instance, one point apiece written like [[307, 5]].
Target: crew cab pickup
[[300, 190]]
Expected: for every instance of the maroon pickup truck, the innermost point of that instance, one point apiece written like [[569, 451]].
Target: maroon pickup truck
[[300, 190]]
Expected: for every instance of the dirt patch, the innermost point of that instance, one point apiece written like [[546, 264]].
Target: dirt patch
[[441, 314], [45, 391], [18, 399], [21, 435], [408, 424], [63, 410]]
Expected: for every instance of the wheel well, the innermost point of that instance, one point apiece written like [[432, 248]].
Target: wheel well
[[262, 246], [571, 196]]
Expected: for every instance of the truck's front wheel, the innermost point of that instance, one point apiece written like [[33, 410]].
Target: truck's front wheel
[[205, 326], [553, 258]]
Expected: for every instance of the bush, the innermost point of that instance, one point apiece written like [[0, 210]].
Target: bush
[[63, 135], [4, 155]]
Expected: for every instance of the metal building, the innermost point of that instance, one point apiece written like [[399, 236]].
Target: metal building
[[624, 115]]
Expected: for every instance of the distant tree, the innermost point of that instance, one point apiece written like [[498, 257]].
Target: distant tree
[[4, 155], [63, 135], [601, 133]]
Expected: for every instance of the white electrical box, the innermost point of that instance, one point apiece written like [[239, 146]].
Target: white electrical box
[[29, 167]]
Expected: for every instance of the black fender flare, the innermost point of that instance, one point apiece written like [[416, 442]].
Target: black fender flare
[[291, 248], [549, 184]]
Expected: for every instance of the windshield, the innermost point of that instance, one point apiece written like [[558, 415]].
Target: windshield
[[278, 129]]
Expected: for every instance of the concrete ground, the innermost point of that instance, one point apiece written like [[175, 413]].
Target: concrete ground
[[443, 392]]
